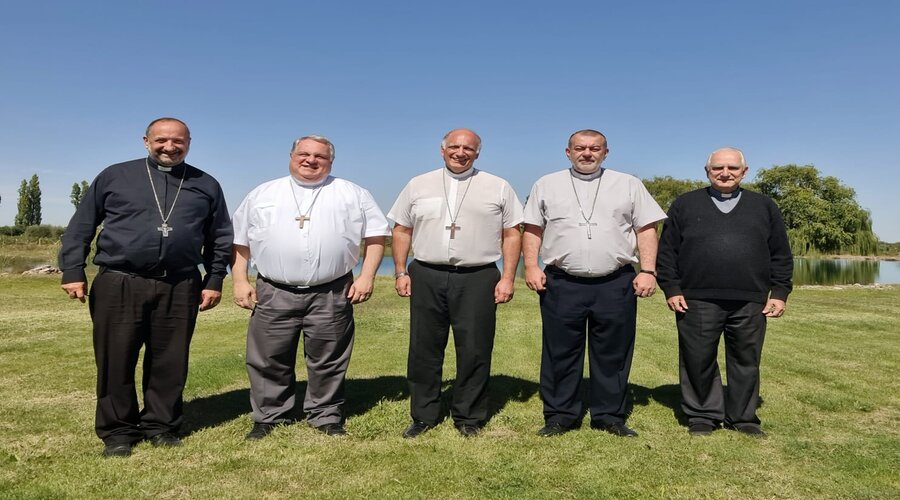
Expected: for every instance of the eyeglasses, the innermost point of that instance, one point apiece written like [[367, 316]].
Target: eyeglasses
[[734, 169]]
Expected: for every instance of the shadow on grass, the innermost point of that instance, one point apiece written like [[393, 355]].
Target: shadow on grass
[[362, 395], [668, 395]]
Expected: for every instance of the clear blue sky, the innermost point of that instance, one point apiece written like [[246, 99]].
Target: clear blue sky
[[808, 82]]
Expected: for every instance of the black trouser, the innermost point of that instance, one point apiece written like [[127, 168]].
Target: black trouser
[[130, 312], [699, 330], [463, 299], [603, 309]]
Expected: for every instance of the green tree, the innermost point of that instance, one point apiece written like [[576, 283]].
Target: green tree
[[78, 192], [665, 189], [820, 213], [29, 213]]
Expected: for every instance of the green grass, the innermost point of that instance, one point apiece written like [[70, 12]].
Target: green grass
[[830, 385]]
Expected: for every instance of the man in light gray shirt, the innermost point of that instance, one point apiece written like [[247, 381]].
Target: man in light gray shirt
[[584, 223], [458, 221]]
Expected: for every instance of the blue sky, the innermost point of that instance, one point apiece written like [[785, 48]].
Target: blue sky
[[807, 82]]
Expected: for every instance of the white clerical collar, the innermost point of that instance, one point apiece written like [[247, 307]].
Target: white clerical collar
[[715, 193], [310, 184], [159, 167], [586, 177], [460, 176]]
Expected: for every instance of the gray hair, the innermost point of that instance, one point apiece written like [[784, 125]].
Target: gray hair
[[727, 148], [444, 140], [318, 138], [589, 131]]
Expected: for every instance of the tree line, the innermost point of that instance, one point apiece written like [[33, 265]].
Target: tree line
[[821, 214]]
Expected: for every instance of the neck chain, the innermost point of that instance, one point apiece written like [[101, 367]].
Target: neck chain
[[453, 227], [587, 219], [165, 228], [305, 216]]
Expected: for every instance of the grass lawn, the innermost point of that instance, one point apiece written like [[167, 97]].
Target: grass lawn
[[830, 384]]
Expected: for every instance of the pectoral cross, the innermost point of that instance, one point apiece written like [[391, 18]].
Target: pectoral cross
[[452, 228], [302, 219], [164, 229], [588, 224]]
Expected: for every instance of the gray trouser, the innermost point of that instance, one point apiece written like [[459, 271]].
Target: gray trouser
[[323, 316]]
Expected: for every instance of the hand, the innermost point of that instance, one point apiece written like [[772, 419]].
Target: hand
[[209, 299], [535, 279], [677, 303], [403, 285], [504, 290], [244, 294], [361, 290], [774, 308], [76, 290], [644, 285]]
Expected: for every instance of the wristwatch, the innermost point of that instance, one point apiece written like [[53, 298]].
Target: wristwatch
[[647, 271], [400, 275]]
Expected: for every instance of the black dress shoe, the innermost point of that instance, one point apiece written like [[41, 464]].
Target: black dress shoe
[[468, 430], [335, 429], [165, 439], [117, 450], [554, 429], [259, 431], [415, 428], [615, 428], [701, 429]]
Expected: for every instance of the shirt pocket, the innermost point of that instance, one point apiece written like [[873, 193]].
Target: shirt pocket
[[428, 208], [262, 217]]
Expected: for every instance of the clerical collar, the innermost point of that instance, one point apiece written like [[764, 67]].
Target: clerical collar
[[460, 176], [715, 193], [586, 177], [161, 168], [310, 184]]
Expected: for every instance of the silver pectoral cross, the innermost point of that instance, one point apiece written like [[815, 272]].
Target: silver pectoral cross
[[302, 219], [452, 228], [164, 229], [588, 224]]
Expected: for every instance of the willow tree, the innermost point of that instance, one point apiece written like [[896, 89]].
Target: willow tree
[[821, 214]]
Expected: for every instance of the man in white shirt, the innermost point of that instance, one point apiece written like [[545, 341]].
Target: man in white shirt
[[584, 223], [303, 234], [459, 221]]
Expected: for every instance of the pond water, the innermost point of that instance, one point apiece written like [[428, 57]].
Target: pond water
[[806, 271]]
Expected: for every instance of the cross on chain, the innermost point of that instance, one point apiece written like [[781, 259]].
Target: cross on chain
[[588, 224], [302, 219], [164, 229], [452, 228]]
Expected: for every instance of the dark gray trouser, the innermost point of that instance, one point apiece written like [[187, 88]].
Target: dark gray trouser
[[323, 316], [463, 300], [699, 329]]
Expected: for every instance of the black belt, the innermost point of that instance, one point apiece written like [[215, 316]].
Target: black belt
[[164, 273], [551, 269], [321, 287], [455, 269]]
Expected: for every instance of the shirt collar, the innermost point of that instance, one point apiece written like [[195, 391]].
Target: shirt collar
[[586, 177], [460, 176], [724, 196], [310, 184]]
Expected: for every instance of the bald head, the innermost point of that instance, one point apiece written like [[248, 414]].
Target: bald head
[[460, 148], [726, 168]]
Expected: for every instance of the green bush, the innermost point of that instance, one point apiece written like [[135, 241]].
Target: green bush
[[11, 230], [44, 231]]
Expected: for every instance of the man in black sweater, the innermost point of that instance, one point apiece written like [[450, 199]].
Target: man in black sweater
[[725, 265], [161, 219]]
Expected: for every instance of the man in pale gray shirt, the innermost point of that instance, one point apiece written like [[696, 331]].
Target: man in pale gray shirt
[[458, 221], [584, 223], [303, 233]]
